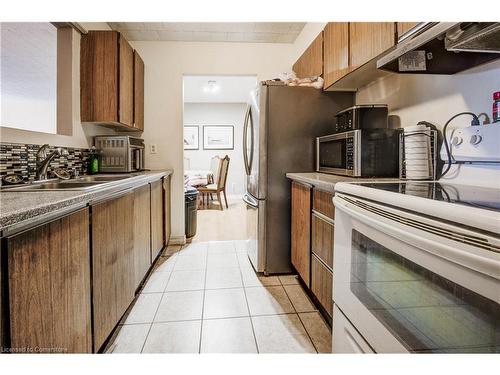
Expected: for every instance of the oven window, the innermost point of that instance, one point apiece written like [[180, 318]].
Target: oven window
[[332, 154], [424, 311]]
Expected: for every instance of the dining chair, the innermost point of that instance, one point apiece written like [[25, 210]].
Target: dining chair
[[220, 185]]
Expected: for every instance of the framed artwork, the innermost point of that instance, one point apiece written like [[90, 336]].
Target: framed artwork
[[191, 137], [218, 137]]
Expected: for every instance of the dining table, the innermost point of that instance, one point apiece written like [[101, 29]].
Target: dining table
[[196, 178]]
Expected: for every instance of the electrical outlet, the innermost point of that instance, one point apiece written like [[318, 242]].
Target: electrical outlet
[[153, 149]]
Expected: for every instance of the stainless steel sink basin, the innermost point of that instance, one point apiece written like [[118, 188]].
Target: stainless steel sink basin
[[100, 178], [65, 185]]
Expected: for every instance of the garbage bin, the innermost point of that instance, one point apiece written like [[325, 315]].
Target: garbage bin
[[190, 203]]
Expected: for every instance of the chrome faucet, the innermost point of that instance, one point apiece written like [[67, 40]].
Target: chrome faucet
[[43, 159]]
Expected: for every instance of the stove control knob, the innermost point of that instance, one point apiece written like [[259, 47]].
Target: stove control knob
[[475, 139], [456, 141]]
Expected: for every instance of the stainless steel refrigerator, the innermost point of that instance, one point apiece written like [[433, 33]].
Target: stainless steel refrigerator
[[280, 128]]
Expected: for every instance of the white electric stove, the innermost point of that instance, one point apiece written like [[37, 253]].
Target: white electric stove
[[417, 264]]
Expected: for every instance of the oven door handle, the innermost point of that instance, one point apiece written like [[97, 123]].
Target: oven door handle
[[466, 259]]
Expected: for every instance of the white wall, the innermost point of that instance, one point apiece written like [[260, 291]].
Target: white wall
[[219, 114], [165, 65]]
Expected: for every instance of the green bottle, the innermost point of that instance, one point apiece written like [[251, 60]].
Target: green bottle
[[93, 166]]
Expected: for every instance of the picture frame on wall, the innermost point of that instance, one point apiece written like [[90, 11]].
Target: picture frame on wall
[[218, 137], [191, 137]]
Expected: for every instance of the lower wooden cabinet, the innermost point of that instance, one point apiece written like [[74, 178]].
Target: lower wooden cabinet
[[322, 283], [301, 230], [113, 275], [156, 218], [49, 286], [322, 238], [142, 230]]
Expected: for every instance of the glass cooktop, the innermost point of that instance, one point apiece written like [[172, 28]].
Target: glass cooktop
[[474, 196]]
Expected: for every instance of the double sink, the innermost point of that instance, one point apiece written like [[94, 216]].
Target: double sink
[[83, 183]]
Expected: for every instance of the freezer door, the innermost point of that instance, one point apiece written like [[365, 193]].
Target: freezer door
[[254, 141], [255, 232]]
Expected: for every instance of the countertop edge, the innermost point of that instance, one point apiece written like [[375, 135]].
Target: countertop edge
[[24, 219]]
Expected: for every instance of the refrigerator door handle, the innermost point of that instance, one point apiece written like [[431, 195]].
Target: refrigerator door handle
[[249, 201], [245, 129]]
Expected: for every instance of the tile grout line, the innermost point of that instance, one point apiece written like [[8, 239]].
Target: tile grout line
[[203, 305], [300, 320], [161, 299], [248, 307]]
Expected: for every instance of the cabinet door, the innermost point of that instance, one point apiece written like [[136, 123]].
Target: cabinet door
[[166, 211], [49, 286], [99, 79], [403, 27], [138, 92], [126, 86], [323, 203], [310, 64], [322, 239], [336, 52], [301, 230], [322, 284], [142, 231], [156, 218], [112, 263], [369, 39]]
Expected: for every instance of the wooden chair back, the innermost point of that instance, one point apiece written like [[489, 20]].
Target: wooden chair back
[[223, 169], [215, 166]]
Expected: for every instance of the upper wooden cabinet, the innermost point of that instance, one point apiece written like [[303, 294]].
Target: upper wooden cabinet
[[310, 64], [403, 27], [369, 39], [107, 81], [336, 51], [138, 92]]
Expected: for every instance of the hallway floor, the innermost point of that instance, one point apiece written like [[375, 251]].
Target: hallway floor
[[206, 298]]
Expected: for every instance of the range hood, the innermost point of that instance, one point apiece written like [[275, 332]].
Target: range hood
[[443, 48]]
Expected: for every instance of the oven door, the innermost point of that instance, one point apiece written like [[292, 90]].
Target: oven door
[[412, 284], [338, 153]]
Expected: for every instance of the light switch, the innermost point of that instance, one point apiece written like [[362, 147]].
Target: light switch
[[153, 148]]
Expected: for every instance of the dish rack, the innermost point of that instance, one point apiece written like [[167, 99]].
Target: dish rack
[[433, 154]]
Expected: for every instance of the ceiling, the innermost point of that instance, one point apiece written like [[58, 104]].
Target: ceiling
[[222, 89], [250, 32]]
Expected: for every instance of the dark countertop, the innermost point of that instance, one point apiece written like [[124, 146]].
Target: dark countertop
[[326, 182], [21, 209]]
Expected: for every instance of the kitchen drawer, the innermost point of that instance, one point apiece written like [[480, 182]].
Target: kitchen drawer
[[322, 283], [346, 339], [322, 238], [322, 202]]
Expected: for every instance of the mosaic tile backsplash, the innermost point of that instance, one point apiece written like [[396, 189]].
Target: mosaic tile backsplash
[[21, 159]]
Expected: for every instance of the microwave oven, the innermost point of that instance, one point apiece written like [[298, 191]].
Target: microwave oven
[[120, 153], [359, 153], [371, 116]]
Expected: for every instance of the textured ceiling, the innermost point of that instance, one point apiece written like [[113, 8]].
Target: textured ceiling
[[250, 32]]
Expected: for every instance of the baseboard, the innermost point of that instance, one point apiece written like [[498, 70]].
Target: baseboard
[[180, 240]]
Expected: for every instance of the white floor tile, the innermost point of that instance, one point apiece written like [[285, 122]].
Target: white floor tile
[[166, 264], [186, 280], [244, 261], [225, 303], [192, 262], [289, 279], [174, 337], [222, 260], [281, 334], [157, 282], [176, 306], [194, 248], [144, 309], [241, 246], [218, 278], [221, 247], [299, 298], [318, 330], [268, 300], [251, 279], [228, 336], [129, 339]]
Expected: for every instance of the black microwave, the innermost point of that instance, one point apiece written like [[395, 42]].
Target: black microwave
[[372, 116], [359, 153]]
